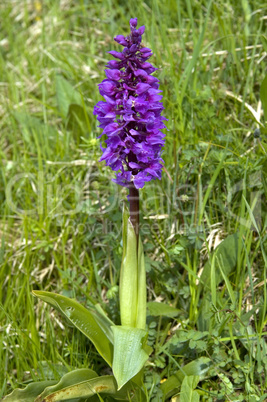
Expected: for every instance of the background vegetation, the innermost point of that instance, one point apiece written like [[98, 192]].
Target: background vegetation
[[60, 214]]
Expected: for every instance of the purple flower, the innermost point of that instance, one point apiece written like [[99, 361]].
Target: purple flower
[[130, 116]]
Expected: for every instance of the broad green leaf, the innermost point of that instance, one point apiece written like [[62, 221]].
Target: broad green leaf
[[72, 378], [132, 279], [77, 120], [81, 318], [226, 253], [85, 389], [66, 95], [162, 309], [128, 279], [103, 321], [125, 217], [141, 288], [96, 386], [129, 353], [197, 367], [187, 389], [263, 96], [29, 393]]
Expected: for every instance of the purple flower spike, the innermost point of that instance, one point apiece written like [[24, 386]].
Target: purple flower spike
[[130, 116]]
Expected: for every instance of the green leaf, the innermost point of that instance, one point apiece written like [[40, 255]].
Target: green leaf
[[83, 319], [99, 385], [187, 389], [128, 278], [129, 354], [125, 217], [85, 389], [132, 278], [197, 367], [103, 321], [226, 253], [72, 378], [29, 393], [77, 119], [263, 96], [141, 288], [66, 95], [161, 309]]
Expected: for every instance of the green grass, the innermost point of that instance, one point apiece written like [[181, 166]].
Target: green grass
[[60, 214]]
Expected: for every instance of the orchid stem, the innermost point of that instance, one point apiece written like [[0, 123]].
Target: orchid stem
[[134, 208]]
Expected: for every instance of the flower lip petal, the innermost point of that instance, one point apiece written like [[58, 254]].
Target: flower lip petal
[[113, 74], [134, 165], [112, 127], [145, 50], [151, 80], [121, 40], [113, 64], [153, 172], [139, 72], [109, 100], [147, 66], [109, 115], [134, 132], [107, 87], [118, 55], [141, 88], [140, 179]]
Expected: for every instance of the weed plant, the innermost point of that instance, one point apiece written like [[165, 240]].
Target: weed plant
[[203, 225]]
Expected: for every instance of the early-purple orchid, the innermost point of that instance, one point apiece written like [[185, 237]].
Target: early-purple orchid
[[130, 116]]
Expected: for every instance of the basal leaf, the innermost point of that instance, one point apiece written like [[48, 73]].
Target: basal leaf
[[72, 378], [81, 318], [129, 353], [85, 389], [29, 393], [97, 386]]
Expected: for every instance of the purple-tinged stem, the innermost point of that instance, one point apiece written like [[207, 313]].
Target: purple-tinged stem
[[134, 208]]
